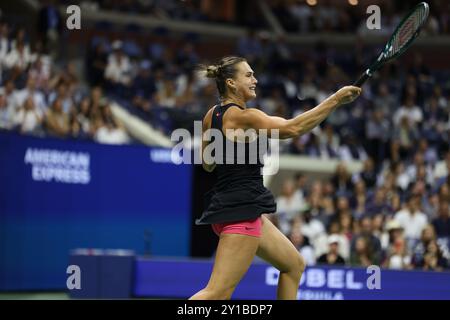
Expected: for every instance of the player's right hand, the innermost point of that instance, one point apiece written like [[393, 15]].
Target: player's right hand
[[347, 94]]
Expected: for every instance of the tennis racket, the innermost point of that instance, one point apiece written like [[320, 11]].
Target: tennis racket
[[403, 36]]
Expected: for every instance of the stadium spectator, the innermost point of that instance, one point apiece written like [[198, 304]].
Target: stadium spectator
[[412, 219], [397, 255], [57, 121], [361, 256], [302, 244], [442, 222], [118, 68], [371, 241], [433, 258], [341, 180], [28, 119], [332, 257], [6, 116], [289, 204]]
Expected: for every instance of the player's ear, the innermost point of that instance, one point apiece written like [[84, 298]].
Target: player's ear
[[231, 84]]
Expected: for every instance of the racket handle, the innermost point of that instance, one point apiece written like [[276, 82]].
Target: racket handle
[[366, 75]]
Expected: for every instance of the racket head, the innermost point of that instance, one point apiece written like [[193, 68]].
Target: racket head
[[403, 36]]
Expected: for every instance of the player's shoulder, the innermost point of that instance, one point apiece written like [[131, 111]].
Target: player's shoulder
[[208, 116]]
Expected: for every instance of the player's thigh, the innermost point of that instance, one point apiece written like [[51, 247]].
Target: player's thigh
[[275, 248], [235, 253]]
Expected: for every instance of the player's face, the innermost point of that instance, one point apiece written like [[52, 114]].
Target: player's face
[[245, 81]]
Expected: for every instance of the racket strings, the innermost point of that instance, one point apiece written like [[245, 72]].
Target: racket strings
[[407, 30]]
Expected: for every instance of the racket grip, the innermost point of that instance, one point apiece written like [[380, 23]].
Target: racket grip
[[362, 79]]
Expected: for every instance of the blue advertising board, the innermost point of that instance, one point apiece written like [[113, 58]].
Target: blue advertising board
[[182, 278], [58, 195]]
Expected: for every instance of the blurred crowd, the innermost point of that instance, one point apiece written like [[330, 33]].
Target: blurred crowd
[[398, 218], [38, 97], [405, 105], [295, 16], [298, 16]]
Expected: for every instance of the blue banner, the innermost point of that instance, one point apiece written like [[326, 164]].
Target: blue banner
[[182, 278], [57, 195]]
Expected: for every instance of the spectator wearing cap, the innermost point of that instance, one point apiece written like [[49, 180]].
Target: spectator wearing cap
[[393, 231], [335, 228], [332, 257]]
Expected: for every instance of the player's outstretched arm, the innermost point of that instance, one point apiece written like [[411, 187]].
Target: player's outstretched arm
[[288, 128]]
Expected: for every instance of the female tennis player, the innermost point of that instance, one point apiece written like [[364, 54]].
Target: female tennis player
[[236, 204]]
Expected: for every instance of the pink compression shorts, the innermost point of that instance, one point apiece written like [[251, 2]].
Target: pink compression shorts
[[246, 227]]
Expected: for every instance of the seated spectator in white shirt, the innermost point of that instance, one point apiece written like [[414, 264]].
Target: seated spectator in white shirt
[[289, 204], [118, 69], [27, 118], [314, 230], [412, 219], [409, 110], [30, 91], [398, 256], [18, 58], [111, 133]]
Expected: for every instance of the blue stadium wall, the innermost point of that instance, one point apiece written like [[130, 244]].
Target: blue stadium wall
[[58, 195]]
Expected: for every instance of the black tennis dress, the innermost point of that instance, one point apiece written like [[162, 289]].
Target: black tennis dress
[[239, 193]]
